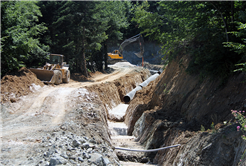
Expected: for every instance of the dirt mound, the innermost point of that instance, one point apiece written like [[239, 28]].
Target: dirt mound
[[78, 77], [81, 78], [17, 84], [152, 66]]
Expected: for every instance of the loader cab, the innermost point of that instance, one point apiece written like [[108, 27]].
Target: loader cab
[[56, 59]]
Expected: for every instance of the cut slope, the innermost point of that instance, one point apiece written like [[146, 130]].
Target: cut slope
[[160, 114]]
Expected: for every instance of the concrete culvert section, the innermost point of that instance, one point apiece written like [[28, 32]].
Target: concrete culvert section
[[129, 96], [117, 114], [119, 137]]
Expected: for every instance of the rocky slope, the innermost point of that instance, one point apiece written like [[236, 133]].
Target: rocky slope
[[174, 108]]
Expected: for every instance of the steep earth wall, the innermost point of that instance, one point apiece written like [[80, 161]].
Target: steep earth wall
[[172, 110]]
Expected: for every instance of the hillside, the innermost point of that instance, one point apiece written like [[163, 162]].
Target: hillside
[[176, 108]]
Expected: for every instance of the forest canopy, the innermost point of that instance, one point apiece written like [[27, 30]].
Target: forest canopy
[[212, 33]]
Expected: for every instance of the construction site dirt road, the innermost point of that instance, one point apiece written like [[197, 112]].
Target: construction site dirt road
[[62, 124]]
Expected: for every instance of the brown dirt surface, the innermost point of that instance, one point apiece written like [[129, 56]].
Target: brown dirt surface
[[80, 77], [49, 110], [172, 110], [17, 84]]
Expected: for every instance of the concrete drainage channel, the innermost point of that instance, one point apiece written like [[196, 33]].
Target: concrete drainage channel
[[118, 132]]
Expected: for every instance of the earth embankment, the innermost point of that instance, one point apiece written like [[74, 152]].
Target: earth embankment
[[176, 107]]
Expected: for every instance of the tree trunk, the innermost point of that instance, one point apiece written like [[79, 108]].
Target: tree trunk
[[83, 61], [222, 17], [83, 65], [100, 64], [232, 11], [105, 56]]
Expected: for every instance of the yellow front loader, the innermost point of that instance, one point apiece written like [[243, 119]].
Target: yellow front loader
[[55, 71]]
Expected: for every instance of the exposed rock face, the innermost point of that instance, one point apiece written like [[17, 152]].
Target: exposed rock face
[[172, 109], [202, 148], [201, 102]]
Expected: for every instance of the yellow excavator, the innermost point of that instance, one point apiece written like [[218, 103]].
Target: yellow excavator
[[118, 54], [55, 71]]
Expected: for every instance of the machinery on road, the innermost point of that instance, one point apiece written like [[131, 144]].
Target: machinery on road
[[118, 54], [55, 71]]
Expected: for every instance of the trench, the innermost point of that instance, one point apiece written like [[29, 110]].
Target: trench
[[119, 137], [118, 133]]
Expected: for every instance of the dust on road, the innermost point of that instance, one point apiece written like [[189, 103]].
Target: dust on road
[[48, 105], [28, 119]]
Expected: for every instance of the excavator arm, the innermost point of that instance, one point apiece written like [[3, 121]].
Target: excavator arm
[[117, 54]]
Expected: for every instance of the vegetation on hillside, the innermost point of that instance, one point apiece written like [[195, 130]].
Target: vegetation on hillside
[[20, 35], [212, 33], [78, 30]]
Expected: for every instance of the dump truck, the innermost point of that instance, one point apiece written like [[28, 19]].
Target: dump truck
[[55, 71]]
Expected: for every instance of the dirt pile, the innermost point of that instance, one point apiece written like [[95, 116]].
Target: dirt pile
[[173, 109], [17, 84]]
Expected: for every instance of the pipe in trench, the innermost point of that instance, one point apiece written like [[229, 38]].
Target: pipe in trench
[[129, 96]]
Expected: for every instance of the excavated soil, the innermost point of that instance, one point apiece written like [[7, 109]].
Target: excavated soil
[[176, 106], [62, 124], [17, 84]]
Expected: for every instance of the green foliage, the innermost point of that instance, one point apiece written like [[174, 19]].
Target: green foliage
[[198, 29], [202, 128], [20, 34], [80, 28], [213, 128], [116, 12], [240, 116], [239, 46]]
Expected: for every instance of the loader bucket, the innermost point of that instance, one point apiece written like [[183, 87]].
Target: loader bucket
[[44, 75]]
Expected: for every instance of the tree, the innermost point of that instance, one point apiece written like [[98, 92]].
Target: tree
[[199, 28], [77, 29], [20, 34], [116, 12], [239, 45]]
